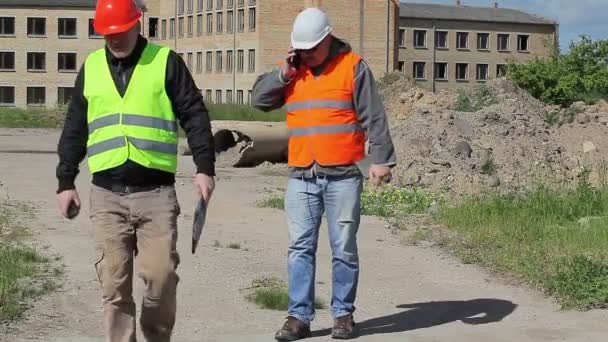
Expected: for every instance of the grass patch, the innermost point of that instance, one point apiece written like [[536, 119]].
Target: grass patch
[[31, 118], [394, 202], [271, 293], [243, 113], [234, 245], [275, 202], [554, 239], [24, 273]]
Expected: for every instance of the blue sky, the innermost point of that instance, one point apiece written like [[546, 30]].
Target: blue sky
[[575, 17]]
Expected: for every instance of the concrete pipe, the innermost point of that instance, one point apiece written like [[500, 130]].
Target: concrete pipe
[[249, 144]]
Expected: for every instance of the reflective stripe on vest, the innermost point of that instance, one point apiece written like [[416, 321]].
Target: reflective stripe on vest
[[141, 125], [322, 123]]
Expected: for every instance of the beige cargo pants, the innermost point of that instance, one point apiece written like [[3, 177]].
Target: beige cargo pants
[[139, 226]]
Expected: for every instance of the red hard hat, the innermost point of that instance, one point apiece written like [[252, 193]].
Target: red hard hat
[[115, 16]]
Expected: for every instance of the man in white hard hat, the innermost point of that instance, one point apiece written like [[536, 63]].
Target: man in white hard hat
[[332, 109]]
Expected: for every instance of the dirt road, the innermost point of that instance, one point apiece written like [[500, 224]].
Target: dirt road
[[406, 293]]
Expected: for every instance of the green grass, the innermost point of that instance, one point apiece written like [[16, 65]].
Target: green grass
[[31, 118], [394, 202], [275, 202], [243, 113], [24, 273], [554, 239], [271, 293]]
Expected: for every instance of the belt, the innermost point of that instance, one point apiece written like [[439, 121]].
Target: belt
[[130, 189]]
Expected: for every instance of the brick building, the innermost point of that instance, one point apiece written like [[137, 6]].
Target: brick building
[[443, 46], [228, 43], [42, 45]]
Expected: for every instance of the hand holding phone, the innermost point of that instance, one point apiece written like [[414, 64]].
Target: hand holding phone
[[293, 63]]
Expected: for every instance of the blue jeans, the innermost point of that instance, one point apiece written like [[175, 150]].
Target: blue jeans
[[306, 201]]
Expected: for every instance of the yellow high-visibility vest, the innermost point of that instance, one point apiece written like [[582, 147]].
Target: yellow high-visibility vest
[[141, 126]]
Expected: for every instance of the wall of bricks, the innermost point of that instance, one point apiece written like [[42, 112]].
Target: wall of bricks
[[51, 44], [366, 25], [542, 39]]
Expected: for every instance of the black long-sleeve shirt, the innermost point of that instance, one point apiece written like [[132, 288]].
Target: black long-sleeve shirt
[[188, 106]]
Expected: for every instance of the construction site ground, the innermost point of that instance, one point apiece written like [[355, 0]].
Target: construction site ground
[[406, 293]]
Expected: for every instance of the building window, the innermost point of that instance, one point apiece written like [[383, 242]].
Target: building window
[[441, 71], [252, 19], [483, 41], [228, 96], [199, 5], [163, 29], [401, 66], [36, 61], [218, 96], [190, 26], [229, 60], [36, 96], [239, 97], [462, 71], [7, 96], [441, 39], [230, 21], [7, 26], [462, 40], [64, 95], [220, 4], [36, 26], [503, 42], [219, 61], [180, 7], [241, 20], [251, 60], [209, 5], [229, 3], [190, 6], [208, 95], [189, 61], [199, 25], [92, 32], [67, 27], [180, 26], [482, 72], [240, 60], [241, 3], [199, 62], [209, 62], [419, 38], [501, 70], [401, 37], [251, 2], [209, 23], [7, 61], [220, 22], [172, 28], [153, 28], [419, 70], [523, 43], [66, 61]]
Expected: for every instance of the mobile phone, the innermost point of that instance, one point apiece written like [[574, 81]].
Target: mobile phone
[[73, 210], [295, 60]]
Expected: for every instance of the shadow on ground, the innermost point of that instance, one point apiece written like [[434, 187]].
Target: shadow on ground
[[430, 314]]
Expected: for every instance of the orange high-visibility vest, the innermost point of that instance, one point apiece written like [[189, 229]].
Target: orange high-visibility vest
[[321, 120]]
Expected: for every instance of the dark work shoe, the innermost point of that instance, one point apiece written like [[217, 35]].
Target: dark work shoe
[[344, 328], [293, 330]]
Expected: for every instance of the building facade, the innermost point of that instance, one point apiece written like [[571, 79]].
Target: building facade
[[448, 47], [42, 48], [228, 43]]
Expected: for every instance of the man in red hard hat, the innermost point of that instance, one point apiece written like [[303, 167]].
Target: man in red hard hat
[[129, 98]]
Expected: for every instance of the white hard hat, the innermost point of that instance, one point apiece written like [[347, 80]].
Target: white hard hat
[[309, 28]]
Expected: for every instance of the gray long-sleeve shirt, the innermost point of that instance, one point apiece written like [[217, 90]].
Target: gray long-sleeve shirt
[[269, 94]]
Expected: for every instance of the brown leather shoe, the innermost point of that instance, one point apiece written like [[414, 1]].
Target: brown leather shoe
[[293, 330], [344, 328]]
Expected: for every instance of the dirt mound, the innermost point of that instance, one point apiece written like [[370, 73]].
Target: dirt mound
[[402, 98], [506, 145]]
